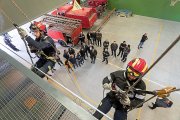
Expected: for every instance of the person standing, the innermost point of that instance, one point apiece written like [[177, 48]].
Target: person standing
[[98, 37], [117, 83], [66, 54], [73, 61], [68, 65], [89, 37], [105, 56], [114, 47], [161, 102], [93, 37], [143, 39], [82, 38], [121, 48], [93, 54], [126, 52], [105, 45], [71, 51], [86, 47], [58, 59], [7, 40], [79, 59]]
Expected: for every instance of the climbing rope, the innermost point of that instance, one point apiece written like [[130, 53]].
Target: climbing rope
[[16, 26], [158, 59]]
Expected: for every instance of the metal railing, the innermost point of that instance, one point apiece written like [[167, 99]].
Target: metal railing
[[35, 98]]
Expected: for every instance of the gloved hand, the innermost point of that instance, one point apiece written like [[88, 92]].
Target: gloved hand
[[123, 98], [107, 86], [22, 33]]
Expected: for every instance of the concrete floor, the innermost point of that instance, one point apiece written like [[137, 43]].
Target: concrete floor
[[87, 80]]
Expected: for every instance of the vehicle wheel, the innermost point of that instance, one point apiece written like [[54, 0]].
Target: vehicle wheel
[[62, 43]]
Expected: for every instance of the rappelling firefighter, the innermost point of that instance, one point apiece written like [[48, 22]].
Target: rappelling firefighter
[[118, 83], [43, 46]]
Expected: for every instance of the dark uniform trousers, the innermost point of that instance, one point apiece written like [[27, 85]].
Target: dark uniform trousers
[[44, 66], [46, 45], [105, 106]]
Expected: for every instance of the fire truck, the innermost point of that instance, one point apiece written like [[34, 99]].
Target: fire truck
[[62, 29], [88, 16], [96, 3]]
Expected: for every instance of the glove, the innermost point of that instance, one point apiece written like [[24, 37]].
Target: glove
[[22, 33], [123, 98], [107, 86]]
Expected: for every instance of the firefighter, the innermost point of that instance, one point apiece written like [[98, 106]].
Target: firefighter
[[126, 51], [118, 82], [82, 38], [114, 47], [121, 48], [98, 37], [93, 54], [68, 65], [105, 55], [43, 46], [71, 51], [105, 44], [89, 37], [93, 37]]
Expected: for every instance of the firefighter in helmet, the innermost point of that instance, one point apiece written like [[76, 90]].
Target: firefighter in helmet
[[118, 83], [43, 46]]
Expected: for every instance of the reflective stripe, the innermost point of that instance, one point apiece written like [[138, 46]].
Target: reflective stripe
[[136, 61], [131, 95], [139, 96], [109, 78], [144, 69]]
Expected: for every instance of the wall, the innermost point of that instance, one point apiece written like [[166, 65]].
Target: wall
[[152, 8]]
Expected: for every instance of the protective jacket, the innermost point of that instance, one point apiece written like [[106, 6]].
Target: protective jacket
[[122, 46], [119, 79], [106, 44], [105, 54], [44, 46]]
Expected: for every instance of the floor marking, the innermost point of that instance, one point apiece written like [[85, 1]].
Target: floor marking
[[152, 61]]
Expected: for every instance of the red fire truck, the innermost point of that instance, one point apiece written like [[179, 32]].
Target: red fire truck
[[96, 3], [62, 29], [88, 16]]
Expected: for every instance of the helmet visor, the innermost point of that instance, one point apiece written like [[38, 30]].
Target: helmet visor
[[132, 72]]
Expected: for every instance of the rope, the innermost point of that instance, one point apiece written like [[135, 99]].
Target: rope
[[17, 28], [80, 98], [160, 57], [7, 16], [13, 1]]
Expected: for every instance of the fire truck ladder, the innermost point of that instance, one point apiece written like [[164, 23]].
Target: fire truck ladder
[[61, 20]]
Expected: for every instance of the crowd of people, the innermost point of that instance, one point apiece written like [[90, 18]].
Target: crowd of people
[[87, 49], [117, 82]]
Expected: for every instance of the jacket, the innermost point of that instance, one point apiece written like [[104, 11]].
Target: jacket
[[106, 54], [114, 46], [93, 53], [126, 50], [119, 79], [45, 44], [106, 44], [122, 46], [98, 36], [144, 38]]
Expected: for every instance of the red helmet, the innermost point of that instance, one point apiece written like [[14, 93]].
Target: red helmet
[[138, 65], [38, 26]]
